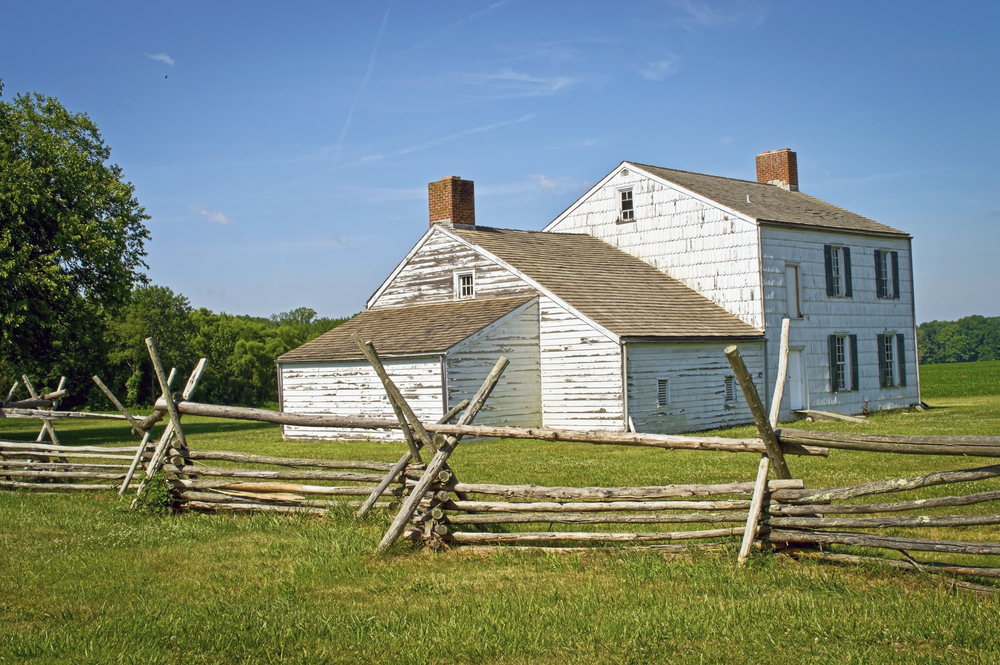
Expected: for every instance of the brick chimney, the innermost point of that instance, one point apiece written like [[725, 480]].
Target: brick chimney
[[778, 167], [452, 201]]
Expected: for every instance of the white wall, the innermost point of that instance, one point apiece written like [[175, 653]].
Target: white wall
[[516, 400], [351, 388], [696, 373], [863, 315], [429, 276], [704, 247], [581, 372]]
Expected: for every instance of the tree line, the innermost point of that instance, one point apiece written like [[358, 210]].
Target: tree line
[[970, 339]]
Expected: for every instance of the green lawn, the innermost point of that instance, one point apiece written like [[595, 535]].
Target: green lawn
[[83, 580], [960, 379]]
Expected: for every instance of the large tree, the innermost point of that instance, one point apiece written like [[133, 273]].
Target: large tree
[[71, 236]]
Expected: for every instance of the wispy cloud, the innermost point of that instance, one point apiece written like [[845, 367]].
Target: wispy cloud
[[508, 83], [364, 82], [161, 57], [544, 182], [457, 24], [335, 242], [462, 134], [703, 15], [660, 69], [725, 140], [213, 216]]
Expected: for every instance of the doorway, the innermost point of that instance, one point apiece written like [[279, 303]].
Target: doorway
[[795, 384]]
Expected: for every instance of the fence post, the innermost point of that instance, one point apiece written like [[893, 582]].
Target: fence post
[[759, 414]]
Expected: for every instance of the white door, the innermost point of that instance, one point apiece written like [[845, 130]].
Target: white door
[[795, 383]]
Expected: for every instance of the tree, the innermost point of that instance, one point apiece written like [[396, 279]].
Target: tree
[[153, 311], [71, 235]]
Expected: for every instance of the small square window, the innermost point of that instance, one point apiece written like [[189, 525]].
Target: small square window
[[627, 213], [662, 392], [465, 285]]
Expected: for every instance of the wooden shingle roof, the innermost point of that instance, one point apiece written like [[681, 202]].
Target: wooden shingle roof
[[411, 330], [768, 203], [616, 290]]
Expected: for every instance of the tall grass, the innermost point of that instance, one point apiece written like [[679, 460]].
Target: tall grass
[[960, 379]]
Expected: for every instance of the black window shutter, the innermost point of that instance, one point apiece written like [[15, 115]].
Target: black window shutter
[[848, 291], [879, 282], [834, 379], [895, 274], [828, 255], [901, 358], [855, 379], [881, 361]]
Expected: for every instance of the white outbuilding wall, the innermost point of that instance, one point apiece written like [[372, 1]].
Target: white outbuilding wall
[[696, 374], [351, 388]]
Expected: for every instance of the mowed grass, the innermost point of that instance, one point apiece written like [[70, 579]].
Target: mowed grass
[[960, 379], [84, 580]]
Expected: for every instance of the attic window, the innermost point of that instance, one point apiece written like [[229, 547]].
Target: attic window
[[465, 286], [627, 213]]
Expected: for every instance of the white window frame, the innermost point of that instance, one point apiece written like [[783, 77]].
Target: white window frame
[[886, 275], [837, 267], [662, 392], [889, 349], [793, 290], [624, 215], [843, 362], [459, 291]]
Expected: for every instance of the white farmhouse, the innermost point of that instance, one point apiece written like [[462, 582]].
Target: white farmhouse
[[615, 316]]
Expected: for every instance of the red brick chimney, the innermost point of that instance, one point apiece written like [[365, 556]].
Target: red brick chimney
[[452, 201], [778, 167]]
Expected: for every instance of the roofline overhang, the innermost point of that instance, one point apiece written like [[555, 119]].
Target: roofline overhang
[[902, 235], [391, 356], [656, 339]]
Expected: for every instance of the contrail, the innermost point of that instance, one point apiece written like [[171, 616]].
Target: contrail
[[364, 82]]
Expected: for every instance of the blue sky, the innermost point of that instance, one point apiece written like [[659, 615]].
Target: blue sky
[[283, 151]]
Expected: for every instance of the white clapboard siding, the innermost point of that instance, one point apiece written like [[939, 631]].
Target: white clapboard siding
[[864, 315], [429, 275], [516, 401], [696, 373], [705, 247], [351, 388], [581, 373]]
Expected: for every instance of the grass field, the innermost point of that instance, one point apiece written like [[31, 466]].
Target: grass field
[[84, 580], [960, 379]]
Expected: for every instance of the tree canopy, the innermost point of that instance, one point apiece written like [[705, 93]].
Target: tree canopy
[[969, 339], [71, 235]]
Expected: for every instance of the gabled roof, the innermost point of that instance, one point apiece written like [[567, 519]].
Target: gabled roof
[[411, 330], [769, 203], [617, 291]]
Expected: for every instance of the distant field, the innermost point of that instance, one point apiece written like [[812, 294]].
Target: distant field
[[960, 379]]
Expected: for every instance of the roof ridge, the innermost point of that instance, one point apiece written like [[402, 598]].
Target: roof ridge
[[707, 175]]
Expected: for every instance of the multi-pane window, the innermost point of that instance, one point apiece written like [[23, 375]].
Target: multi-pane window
[[838, 271], [835, 271], [662, 392], [844, 363], [627, 212], [889, 365], [840, 352], [886, 274], [465, 285], [891, 360]]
